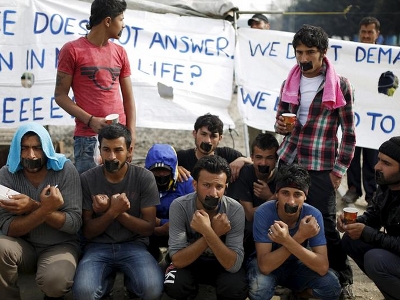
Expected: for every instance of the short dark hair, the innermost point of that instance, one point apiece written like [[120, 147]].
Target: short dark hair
[[370, 20], [212, 122], [311, 36], [29, 134], [264, 141], [213, 164], [114, 131], [102, 9], [295, 176]]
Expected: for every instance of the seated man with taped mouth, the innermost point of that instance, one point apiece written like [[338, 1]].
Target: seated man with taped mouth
[[290, 243]]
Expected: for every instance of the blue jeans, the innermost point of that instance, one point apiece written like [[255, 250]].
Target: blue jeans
[[295, 276], [84, 147], [142, 274]]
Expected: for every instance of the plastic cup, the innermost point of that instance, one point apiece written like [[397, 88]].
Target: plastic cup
[[350, 215], [290, 120], [112, 119]]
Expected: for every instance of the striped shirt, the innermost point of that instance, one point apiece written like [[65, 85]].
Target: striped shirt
[[315, 144]]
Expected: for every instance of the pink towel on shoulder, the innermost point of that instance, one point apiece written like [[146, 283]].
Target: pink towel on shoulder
[[332, 96]]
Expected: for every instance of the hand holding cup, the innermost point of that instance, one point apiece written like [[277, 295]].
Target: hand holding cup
[[112, 119], [350, 215], [289, 120]]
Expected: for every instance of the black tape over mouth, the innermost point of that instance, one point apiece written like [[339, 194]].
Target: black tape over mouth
[[263, 169], [210, 203], [291, 209], [306, 66], [206, 147], [31, 164], [111, 165]]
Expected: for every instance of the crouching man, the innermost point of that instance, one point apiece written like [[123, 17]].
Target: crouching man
[[40, 224], [377, 251], [283, 229], [206, 236]]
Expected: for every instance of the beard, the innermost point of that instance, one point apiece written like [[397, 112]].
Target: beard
[[389, 180]]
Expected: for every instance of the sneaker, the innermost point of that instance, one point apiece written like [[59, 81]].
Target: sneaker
[[350, 196], [347, 292]]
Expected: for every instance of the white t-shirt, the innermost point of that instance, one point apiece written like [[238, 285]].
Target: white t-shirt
[[308, 90]]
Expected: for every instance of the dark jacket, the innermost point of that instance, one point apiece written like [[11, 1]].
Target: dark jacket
[[383, 212]]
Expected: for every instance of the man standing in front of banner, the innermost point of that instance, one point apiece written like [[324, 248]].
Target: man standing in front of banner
[[98, 71], [322, 101]]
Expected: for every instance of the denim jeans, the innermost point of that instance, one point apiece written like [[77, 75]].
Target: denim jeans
[[295, 276], [84, 149], [142, 274]]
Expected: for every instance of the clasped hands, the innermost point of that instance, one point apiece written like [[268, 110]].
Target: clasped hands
[[118, 202], [308, 228], [201, 223]]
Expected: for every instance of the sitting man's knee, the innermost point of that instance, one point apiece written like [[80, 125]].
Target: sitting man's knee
[[55, 283]]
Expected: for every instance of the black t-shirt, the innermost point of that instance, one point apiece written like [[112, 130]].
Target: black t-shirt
[[242, 189], [187, 158]]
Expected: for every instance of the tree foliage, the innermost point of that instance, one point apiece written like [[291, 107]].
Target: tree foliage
[[345, 17]]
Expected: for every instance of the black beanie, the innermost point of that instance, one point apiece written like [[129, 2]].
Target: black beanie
[[391, 148]]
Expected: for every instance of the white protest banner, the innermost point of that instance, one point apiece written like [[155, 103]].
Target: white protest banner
[[182, 67], [264, 58]]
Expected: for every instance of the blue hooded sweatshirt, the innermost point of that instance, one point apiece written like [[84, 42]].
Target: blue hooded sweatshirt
[[164, 156]]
